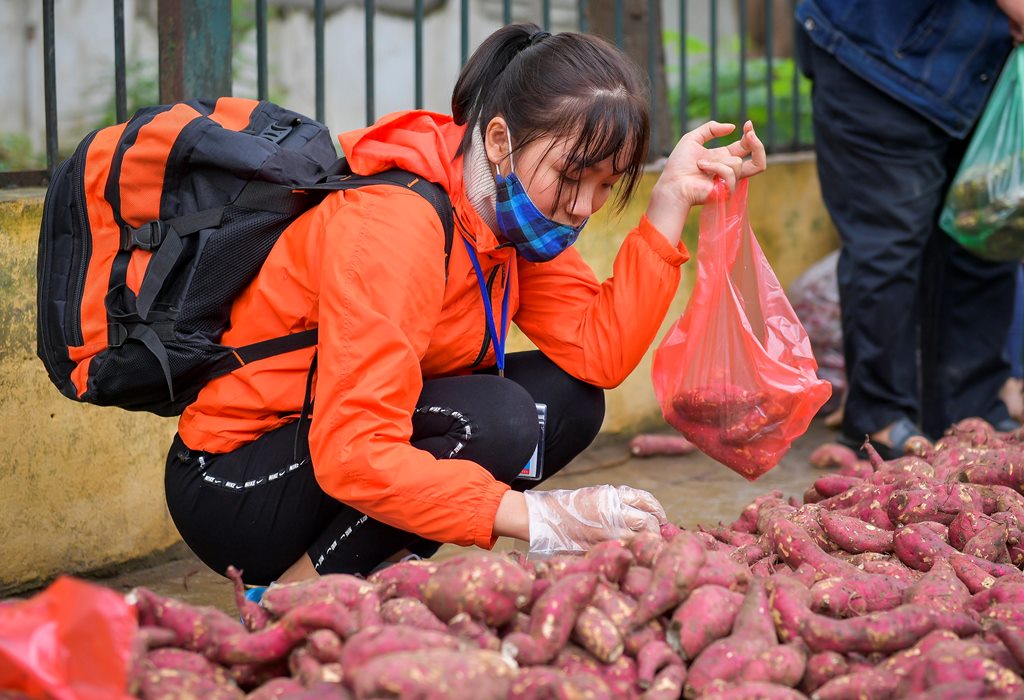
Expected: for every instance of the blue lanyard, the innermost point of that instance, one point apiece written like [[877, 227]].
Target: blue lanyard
[[499, 344]]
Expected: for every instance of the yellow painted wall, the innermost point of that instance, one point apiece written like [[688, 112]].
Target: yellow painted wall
[[81, 487]]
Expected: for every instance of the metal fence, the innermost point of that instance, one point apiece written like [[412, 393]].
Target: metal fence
[[724, 78]]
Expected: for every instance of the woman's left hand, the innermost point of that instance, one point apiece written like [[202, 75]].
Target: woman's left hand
[[689, 173]]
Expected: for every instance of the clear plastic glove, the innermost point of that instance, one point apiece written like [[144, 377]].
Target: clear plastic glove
[[575, 520]]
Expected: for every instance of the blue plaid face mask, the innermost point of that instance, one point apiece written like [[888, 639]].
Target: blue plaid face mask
[[535, 237]]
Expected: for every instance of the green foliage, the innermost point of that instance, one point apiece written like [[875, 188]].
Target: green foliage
[[776, 131], [16, 154]]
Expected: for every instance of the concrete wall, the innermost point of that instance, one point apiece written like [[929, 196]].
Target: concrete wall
[[81, 487]]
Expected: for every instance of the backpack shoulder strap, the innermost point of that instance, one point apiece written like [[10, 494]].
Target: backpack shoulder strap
[[430, 191]]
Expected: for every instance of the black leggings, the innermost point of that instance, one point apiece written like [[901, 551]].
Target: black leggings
[[261, 509]]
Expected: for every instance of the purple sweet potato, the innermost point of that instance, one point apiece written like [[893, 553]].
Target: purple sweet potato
[[411, 612], [171, 684], [706, 615], [940, 588], [276, 688], [973, 576], [620, 677], [434, 674], [194, 628], [551, 620], [277, 639], [830, 455], [821, 668], [646, 547], [404, 579], [310, 670], [478, 634], [653, 657], [489, 587], [991, 594], [853, 535], [617, 606], [672, 579], [960, 661], [636, 581], [1009, 614], [325, 645], [989, 544], [938, 503], [382, 640], [596, 633], [545, 683], [853, 595], [918, 546], [1013, 639], [639, 637], [720, 569], [254, 617], [668, 684], [754, 691], [651, 445], [575, 660], [747, 521], [784, 664], [340, 589], [966, 525]]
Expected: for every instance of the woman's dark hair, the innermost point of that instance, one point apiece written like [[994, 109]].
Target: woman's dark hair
[[564, 85]]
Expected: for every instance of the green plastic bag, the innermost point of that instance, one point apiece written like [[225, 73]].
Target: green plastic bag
[[984, 209]]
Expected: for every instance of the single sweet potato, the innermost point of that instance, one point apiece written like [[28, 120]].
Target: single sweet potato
[[918, 546], [620, 677], [617, 606], [966, 525], [411, 612], [720, 569], [434, 673], [835, 484], [277, 639], [171, 684], [672, 579], [340, 589], [489, 587], [639, 637], [383, 640], [545, 683], [254, 617], [636, 581], [276, 688], [551, 620], [940, 588], [325, 645], [653, 657], [194, 628], [747, 521], [854, 535], [480, 635], [404, 579], [1013, 639], [989, 544], [990, 595], [598, 634], [651, 445], [754, 690], [830, 455], [668, 684], [821, 668], [646, 547], [850, 596]]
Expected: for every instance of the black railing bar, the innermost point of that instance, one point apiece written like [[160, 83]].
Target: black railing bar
[[506, 11], [464, 31], [418, 50], [714, 59], [50, 85], [545, 13], [620, 22], [370, 11], [796, 82], [683, 106], [584, 21], [652, 73], [743, 61], [318, 50], [120, 86], [770, 70], [262, 73]]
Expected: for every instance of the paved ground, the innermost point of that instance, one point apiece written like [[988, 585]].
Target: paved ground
[[694, 490]]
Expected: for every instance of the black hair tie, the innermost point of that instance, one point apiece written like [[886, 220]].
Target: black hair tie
[[538, 37]]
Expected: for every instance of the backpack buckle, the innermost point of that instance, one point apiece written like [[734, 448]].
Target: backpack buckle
[[117, 334], [147, 237]]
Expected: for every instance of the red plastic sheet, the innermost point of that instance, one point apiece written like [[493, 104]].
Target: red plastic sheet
[[73, 641], [735, 374]]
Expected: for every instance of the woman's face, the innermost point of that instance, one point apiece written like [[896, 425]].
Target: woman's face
[[541, 167]]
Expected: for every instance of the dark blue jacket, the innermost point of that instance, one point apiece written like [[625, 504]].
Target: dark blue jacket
[[939, 57]]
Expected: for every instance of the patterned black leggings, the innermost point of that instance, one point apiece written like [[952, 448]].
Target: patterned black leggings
[[260, 509]]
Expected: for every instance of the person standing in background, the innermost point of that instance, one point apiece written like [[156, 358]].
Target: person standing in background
[[897, 89]]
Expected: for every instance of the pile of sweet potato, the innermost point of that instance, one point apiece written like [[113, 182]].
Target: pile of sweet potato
[[892, 580]]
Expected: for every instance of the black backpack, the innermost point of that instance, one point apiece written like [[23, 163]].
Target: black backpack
[[153, 227]]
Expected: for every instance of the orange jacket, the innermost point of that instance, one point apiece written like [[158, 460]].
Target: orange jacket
[[367, 267]]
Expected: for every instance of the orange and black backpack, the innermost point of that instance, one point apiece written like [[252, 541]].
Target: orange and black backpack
[[153, 227]]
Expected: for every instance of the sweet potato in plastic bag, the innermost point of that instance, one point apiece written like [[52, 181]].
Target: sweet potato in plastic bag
[[73, 641], [736, 374]]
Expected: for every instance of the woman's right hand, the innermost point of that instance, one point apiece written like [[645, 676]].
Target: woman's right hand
[[575, 520], [690, 171]]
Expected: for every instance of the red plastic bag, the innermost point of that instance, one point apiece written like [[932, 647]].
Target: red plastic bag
[[73, 641], [735, 374]]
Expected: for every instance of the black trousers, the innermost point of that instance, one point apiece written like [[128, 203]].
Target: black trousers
[[925, 322], [260, 509]]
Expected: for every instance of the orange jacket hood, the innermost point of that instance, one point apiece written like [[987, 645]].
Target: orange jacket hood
[[424, 143]]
